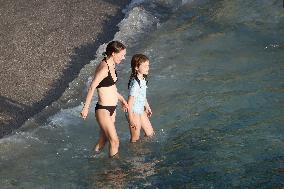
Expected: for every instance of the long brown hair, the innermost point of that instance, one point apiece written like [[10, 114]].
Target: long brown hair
[[136, 61]]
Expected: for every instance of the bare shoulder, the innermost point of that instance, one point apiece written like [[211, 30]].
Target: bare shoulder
[[102, 68]]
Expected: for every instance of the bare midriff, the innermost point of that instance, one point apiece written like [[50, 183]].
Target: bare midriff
[[107, 96]]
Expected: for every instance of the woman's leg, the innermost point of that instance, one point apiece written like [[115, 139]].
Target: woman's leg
[[135, 131], [146, 125], [107, 125], [101, 142], [113, 116]]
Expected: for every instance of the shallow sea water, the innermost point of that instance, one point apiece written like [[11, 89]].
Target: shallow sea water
[[216, 89]]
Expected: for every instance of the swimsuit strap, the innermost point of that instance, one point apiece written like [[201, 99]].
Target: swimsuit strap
[[107, 67], [110, 72]]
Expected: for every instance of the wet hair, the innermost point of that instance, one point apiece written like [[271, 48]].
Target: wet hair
[[136, 61], [113, 47]]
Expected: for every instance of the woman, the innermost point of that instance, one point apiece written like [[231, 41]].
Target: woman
[[104, 81]]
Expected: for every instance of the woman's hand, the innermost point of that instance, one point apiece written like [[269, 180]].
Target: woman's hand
[[125, 106], [84, 112]]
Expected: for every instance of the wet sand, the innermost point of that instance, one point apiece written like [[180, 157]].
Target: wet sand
[[43, 46]]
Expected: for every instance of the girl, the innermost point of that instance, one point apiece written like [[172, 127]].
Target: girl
[[139, 109], [104, 81]]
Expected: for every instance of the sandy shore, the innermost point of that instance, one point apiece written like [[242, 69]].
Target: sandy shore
[[43, 46]]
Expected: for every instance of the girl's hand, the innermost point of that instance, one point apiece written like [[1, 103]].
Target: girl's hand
[[132, 125], [148, 111], [84, 112]]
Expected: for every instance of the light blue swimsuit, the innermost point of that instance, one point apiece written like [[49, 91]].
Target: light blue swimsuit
[[139, 94]]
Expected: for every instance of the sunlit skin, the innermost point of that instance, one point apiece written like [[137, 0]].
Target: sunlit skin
[[136, 121], [107, 96]]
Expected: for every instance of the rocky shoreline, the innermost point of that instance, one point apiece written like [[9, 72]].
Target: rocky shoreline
[[43, 46]]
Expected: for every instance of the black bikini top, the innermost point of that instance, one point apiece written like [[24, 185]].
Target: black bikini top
[[108, 80]]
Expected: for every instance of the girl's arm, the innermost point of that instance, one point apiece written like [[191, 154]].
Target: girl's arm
[[148, 109], [130, 112], [99, 76], [133, 92]]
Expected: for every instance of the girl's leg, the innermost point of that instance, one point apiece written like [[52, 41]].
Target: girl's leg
[[107, 125], [146, 125], [101, 142], [135, 131]]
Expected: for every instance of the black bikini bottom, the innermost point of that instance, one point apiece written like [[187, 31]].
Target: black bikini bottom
[[111, 109]]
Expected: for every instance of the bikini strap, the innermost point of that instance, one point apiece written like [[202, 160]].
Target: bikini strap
[[109, 70], [107, 66]]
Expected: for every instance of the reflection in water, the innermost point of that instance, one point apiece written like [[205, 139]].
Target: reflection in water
[[119, 173], [109, 179]]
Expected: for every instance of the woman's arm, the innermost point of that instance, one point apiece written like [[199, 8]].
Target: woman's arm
[[100, 74], [123, 102], [121, 98]]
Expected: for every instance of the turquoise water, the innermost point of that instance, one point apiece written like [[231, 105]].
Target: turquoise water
[[216, 88]]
